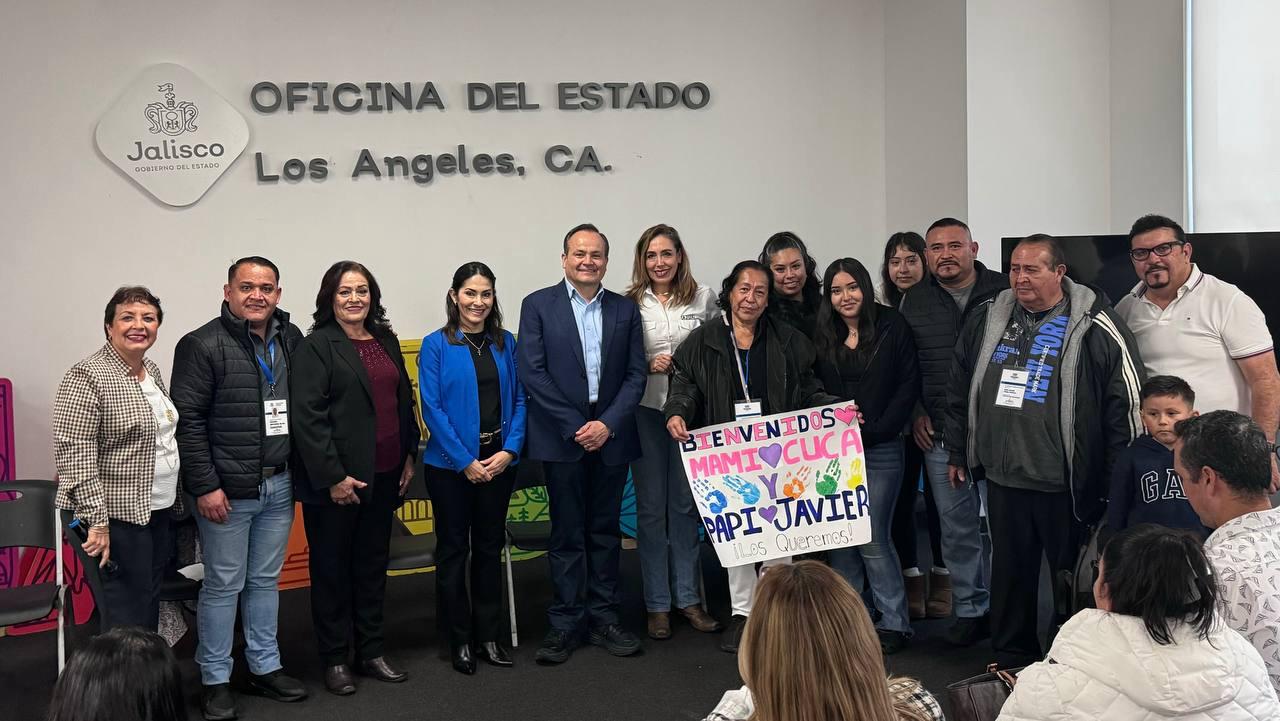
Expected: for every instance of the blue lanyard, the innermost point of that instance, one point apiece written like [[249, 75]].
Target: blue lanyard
[[266, 369]]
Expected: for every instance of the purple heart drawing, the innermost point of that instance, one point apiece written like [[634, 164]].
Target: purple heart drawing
[[769, 513], [771, 454]]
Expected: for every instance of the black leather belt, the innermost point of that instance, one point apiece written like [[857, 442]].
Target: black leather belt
[[486, 437], [269, 471]]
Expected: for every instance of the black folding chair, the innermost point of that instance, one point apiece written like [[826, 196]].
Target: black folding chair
[[524, 535], [28, 519], [410, 552]]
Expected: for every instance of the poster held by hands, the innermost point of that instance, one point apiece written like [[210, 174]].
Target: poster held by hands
[[778, 485]]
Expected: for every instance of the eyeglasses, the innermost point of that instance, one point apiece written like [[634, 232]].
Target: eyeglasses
[[1161, 250]]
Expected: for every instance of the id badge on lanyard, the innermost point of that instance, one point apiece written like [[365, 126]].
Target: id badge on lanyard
[[749, 408], [275, 411]]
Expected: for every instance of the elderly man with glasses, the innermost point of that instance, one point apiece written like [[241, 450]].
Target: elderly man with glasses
[[1195, 326]]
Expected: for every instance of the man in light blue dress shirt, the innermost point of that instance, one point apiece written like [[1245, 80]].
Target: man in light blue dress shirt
[[581, 358]]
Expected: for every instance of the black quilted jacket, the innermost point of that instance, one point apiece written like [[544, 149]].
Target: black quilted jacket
[[934, 318], [218, 394]]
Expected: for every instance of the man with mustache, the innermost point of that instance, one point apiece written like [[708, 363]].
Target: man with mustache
[[1190, 324], [231, 388], [1043, 397], [935, 308]]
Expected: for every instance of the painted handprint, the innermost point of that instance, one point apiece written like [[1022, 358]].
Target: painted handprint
[[828, 479], [795, 486], [749, 491], [856, 473], [712, 498]]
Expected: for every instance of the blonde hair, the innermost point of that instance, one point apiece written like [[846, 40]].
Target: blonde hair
[[683, 286], [810, 652]]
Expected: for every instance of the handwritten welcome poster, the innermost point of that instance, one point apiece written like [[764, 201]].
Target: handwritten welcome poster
[[779, 485]]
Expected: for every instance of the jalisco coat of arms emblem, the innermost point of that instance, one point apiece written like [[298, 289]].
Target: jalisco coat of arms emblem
[[171, 117]]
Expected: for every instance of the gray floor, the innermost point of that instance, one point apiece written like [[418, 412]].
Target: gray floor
[[681, 678]]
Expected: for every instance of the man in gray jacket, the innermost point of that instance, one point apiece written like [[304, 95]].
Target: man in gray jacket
[[1044, 394]]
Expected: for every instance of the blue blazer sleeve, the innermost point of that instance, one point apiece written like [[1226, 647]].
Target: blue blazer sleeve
[[536, 377], [514, 440], [434, 413], [635, 378]]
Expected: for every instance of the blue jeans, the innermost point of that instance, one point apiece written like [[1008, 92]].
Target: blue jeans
[[242, 560], [666, 521], [878, 560], [961, 537]]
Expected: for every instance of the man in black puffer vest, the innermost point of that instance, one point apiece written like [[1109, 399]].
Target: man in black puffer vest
[[231, 387], [935, 308]]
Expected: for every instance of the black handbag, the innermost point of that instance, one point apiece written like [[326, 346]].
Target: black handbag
[[980, 698]]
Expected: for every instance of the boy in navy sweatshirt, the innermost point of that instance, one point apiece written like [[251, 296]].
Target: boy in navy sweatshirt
[[1144, 486]]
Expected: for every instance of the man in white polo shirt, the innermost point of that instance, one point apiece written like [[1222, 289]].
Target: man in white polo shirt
[[1195, 326]]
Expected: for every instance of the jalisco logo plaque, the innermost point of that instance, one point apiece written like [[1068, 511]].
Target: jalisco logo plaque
[[172, 134]]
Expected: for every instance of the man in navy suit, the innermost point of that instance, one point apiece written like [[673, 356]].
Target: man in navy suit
[[581, 359]]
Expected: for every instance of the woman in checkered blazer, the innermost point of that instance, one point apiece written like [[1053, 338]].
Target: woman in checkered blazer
[[117, 459]]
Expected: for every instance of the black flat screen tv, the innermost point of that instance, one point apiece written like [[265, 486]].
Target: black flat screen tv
[[1250, 261]]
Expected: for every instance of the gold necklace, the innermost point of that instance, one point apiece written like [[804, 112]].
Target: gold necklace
[[479, 348]]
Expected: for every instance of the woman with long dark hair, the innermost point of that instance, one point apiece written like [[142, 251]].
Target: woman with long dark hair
[[355, 436], [1154, 648], [866, 353], [796, 294], [903, 267], [125, 674], [474, 407], [672, 305]]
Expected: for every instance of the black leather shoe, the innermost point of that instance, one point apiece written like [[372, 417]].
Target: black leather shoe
[[463, 660], [381, 669], [968, 631], [494, 654], [277, 686], [338, 680], [556, 647], [733, 635], [217, 703], [891, 642], [615, 639]]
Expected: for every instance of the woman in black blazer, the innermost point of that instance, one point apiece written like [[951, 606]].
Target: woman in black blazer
[[355, 437]]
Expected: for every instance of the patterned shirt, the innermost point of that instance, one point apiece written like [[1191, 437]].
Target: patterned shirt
[[737, 705], [1245, 553], [104, 440]]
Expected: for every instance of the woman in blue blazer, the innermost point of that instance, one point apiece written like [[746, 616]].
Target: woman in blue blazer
[[474, 407]]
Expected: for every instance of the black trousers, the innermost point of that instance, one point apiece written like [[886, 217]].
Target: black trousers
[[904, 512], [349, 548], [470, 519], [1026, 526], [585, 498], [141, 553]]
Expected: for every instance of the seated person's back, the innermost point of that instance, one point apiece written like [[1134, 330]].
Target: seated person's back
[[1153, 649], [125, 674], [1225, 463], [810, 653]]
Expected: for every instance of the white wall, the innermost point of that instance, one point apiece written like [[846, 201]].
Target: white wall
[[1039, 119], [1075, 116], [1146, 111], [794, 138], [925, 143], [1236, 99]]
